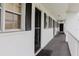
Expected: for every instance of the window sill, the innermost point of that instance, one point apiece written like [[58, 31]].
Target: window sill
[[13, 30]]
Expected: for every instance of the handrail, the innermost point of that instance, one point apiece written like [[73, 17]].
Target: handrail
[[72, 36]]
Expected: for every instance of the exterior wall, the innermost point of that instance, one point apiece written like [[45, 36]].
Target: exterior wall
[[46, 34], [22, 43], [17, 43], [73, 44], [71, 26]]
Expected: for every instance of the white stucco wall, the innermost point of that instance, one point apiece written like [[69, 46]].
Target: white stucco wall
[[17, 43], [71, 26], [46, 34], [22, 43]]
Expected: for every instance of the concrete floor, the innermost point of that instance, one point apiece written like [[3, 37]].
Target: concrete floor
[[56, 47]]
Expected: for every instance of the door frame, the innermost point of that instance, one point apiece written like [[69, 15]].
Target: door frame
[[40, 29]]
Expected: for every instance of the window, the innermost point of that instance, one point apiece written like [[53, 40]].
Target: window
[[0, 15], [12, 21], [50, 22], [15, 7], [12, 16], [53, 23], [45, 22]]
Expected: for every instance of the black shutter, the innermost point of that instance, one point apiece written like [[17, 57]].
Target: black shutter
[[28, 16]]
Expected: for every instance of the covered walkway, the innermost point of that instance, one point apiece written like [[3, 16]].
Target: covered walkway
[[56, 47]]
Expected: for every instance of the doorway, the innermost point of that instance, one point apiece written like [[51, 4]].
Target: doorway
[[61, 27], [37, 29]]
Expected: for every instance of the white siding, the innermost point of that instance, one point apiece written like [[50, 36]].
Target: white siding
[[22, 43]]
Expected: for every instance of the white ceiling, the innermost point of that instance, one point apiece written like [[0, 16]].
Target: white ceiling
[[58, 10]]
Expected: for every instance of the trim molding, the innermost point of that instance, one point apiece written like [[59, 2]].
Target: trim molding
[[73, 36]]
